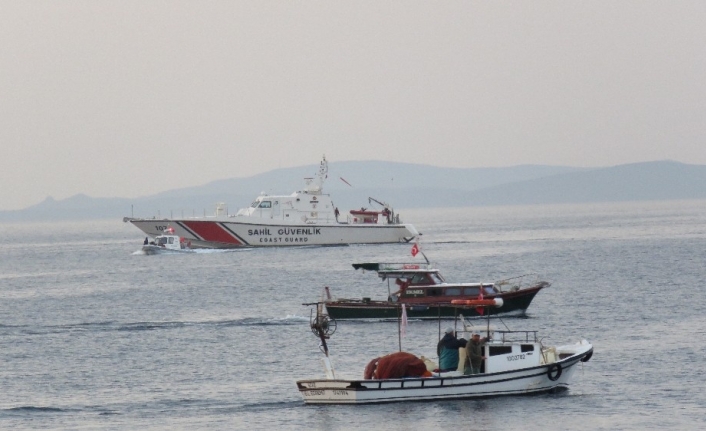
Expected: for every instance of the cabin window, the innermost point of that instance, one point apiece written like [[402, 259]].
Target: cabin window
[[171, 240], [420, 279], [265, 204], [488, 290], [452, 291], [499, 350], [470, 291], [434, 292], [527, 348], [436, 278]]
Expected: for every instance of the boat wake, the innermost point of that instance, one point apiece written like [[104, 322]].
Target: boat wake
[[195, 251], [149, 326], [33, 409]]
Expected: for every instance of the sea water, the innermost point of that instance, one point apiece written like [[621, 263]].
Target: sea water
[[96, 336]]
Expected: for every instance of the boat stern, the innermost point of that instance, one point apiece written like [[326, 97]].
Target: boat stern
[[411, 230], [327, 391]]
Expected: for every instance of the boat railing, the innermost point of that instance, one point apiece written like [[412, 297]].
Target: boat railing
[[515, 336]]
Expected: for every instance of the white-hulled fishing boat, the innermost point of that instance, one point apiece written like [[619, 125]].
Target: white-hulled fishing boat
[[517, 363], [306, 217]]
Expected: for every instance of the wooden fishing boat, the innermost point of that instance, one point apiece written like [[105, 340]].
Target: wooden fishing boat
[[427, 294]]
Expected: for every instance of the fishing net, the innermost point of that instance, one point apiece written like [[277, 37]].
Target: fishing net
[[395, 366]]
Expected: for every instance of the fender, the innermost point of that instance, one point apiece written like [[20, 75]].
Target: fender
[[554, 372]]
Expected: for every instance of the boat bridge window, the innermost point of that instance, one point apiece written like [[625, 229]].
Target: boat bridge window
[[171, 240], [420, 279], [452, 291], [470, 291], [499, 350], [265, 204], [436, 278], [527, 348]]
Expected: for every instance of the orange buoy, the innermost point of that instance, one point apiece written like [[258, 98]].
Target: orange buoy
[[495, 302]]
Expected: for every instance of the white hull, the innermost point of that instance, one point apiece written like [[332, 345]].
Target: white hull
[[227, 232], [514, 382], [155, 249]]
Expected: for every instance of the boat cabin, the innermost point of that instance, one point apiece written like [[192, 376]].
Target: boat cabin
[[420, 283], [299, 207], [510, 350], [445, 292], [365, 216]]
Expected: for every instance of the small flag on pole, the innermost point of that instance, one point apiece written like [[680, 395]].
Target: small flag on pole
[[403, 325], [415, 249]]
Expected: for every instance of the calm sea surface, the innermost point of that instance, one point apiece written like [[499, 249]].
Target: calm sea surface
[[95, 336]]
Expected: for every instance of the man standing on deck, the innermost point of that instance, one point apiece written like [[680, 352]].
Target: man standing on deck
[[474, 354], [447, 349]]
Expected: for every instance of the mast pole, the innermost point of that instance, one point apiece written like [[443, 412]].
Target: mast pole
[[399, 326]]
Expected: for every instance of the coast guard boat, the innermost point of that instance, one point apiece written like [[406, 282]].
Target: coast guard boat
[[306, 217]]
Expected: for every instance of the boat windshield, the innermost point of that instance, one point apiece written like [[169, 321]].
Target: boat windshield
[[265, 204]]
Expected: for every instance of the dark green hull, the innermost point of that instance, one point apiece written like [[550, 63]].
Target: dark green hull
[[514, 303]]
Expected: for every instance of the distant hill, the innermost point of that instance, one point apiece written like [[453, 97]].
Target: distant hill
[[664, 180], [403, 185]]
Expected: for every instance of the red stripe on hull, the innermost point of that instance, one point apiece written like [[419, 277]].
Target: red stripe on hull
[[211, 231]]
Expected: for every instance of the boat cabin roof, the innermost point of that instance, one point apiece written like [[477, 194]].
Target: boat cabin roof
[[416, 273], [395, 267]]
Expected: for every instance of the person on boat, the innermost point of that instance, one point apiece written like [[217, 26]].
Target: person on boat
[[447, 349], [403, 284], [147, 241], [386, 213], [336, 213], [474, 354]]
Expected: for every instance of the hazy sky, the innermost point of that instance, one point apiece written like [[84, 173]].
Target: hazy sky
[[129, 98]]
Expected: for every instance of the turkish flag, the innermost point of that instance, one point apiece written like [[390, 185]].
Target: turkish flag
[[480, 310], [415, 249]]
